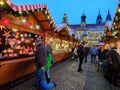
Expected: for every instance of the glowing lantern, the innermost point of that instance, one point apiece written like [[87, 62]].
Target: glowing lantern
[[5, 21]]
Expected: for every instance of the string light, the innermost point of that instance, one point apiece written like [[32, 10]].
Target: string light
[[2, 3]]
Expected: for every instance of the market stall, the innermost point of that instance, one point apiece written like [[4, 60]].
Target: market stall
[[20, 26], [60, 42]]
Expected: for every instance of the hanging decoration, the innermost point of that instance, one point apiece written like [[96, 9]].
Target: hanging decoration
[[5, 21], [1, 28], [20, 44], [6, 34]]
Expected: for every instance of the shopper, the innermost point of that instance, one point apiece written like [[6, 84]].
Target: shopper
[[94, 53], [75, 53], [81, 54]]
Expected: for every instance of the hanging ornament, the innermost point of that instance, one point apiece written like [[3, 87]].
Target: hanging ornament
[[21, 35], [36, 35], [13, 34], [46, 33], [29, 35], [12, 42], [25, 35], [5, 21], [22, 39], [7, 34], [2, 27]]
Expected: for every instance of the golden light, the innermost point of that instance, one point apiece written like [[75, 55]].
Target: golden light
[[48, 17], [118, 9], [1, 3]]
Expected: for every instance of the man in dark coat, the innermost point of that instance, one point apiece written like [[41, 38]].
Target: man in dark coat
[[41, 55], [81, 54]]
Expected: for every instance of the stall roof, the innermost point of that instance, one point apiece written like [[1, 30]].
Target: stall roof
[[63, 29], [45, 19]]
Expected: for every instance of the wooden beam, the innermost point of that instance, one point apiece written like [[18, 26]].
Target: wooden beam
[[22, 28]]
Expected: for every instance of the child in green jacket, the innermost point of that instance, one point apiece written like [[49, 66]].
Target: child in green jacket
[[48, 65]]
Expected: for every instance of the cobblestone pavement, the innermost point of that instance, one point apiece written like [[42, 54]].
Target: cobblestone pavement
[[66, 77]]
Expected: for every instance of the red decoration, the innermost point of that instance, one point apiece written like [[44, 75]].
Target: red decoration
[[7, 34], [5, 55], [27, 24], [5, 21], [46, 34]]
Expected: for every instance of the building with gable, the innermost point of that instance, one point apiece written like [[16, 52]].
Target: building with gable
[[91, 33]]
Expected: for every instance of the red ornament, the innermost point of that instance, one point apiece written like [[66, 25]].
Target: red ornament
[[46, 33], [5, 21]]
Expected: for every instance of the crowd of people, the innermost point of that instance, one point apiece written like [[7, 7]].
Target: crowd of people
[[108, 60]]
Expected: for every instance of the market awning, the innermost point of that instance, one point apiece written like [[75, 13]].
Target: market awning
[[39, 10], [25, 7]]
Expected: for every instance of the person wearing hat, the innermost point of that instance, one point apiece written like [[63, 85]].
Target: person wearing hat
[[41, 61], [81, 54], [41, 55]]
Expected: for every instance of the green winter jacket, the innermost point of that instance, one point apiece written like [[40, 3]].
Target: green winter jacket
[[49, 59]]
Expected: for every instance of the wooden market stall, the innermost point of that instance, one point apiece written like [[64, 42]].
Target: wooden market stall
[[60, 42], [20, 26]]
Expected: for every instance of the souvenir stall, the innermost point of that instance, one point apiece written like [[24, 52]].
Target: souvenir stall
[[20, 26], [60, 43]]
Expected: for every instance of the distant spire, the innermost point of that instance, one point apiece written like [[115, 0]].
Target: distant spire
[[99, 18], [108, 17], [99, 12], [83, 19]]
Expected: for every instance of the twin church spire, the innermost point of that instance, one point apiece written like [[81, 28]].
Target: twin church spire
[[98, 20]]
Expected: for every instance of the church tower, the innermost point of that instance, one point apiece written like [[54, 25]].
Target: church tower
[[108, 17], [99, 18], [83, 20]]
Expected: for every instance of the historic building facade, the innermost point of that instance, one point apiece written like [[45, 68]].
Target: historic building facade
[[91, 33]]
